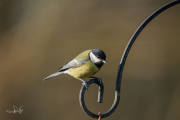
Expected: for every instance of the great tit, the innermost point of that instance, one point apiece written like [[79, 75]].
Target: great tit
[[84, 65]]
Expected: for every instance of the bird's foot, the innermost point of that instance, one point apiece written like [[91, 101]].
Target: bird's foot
[[99, 79], [85, 84]]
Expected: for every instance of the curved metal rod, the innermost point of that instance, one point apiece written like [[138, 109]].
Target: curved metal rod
[[100, 96], [122, 63]]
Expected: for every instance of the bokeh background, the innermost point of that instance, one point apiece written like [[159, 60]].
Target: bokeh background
[[39, 36]]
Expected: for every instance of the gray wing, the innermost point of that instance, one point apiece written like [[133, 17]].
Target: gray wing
[[73, 63]]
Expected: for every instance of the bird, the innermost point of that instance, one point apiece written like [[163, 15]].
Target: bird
[[85, 65]]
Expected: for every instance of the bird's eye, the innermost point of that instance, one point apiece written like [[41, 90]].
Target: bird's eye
[[98, 57]]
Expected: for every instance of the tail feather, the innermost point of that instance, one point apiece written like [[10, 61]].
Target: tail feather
[[52, 75]]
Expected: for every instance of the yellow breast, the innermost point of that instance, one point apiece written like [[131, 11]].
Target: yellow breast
[[86, 70]]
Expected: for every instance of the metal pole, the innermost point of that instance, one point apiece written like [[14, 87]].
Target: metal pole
[[122, 63]]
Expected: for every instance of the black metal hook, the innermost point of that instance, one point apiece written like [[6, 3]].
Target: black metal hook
[[121, 65], [100, 96]]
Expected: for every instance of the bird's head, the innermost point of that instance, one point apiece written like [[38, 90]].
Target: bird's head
[[98, 57]]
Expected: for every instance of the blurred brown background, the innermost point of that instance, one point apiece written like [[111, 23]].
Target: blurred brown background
[[39, 36]]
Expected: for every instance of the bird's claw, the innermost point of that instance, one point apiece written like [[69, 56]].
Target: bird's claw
[[100, 81], [85, 84]]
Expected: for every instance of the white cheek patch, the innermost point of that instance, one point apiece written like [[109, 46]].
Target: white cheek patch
[[94, 58]]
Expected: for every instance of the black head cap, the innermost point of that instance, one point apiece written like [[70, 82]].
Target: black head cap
[[99, 54]]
